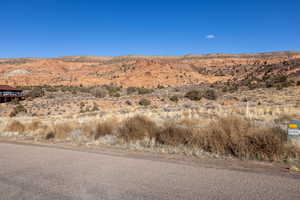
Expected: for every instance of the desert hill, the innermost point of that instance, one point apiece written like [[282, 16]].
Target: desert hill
[[150, 71]]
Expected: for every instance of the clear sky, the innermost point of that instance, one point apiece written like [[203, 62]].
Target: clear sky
[[50, 28]]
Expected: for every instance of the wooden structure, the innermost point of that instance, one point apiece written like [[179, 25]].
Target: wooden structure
[[8, 93]]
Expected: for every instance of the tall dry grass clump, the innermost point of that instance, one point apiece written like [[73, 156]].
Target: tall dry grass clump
[[234, 136], [63, 131], [137, 128], [174, 135], [36, 125], [15, 126], [104, 128], [241, 138]]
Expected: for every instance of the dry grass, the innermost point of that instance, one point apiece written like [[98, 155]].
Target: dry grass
[[15, 126], [137, 128], [285, 118], [234, 136], [173, 135], [88, 129], [35, 126], [62, 131], [230, 135], [104, 128], [241, 138]]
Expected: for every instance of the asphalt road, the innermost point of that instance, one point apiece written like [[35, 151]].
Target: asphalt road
[[33, 172]]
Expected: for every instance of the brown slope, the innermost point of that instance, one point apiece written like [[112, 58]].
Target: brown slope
[[147, 71]]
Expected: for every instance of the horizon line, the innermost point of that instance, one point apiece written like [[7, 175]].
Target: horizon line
[[157, 55]]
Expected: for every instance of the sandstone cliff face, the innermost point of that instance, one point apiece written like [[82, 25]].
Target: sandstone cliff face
[[147, 71]]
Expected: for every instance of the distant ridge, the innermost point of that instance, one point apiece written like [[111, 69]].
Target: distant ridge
[[136, 56]]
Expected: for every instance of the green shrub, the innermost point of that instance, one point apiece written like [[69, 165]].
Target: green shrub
[[160, 87], [193, 95], [51, 89], [115, 94], [131, 90], [143, 90], [174, 98], [210, 94], [20, 108], [144, 102]]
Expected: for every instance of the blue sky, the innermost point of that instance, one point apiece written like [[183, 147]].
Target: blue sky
[[50, 28]]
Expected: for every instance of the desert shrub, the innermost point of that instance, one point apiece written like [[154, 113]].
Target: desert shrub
[[112, 88], [244, 99], [51, 89], [15, 126], [137, 128], [210, 94], [12, 114], [99, 92], [64, 89], [193, 95], [17, 109], [50, 96], [174, 98], [173, 135], [241, 138], [81, 104], [35, 125], [115, 94], [20, 108], [15, 101], [50, 135], [36, 92], [143, 90], [284, 118], [63, 130], [279, 81], [253, 86], [225, 89], [160, 86], [104, 128], [131, 90], [144, 102], [95, 107], [232, 88], [83, 89], [279, 87], [269, 83]]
